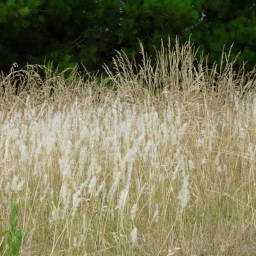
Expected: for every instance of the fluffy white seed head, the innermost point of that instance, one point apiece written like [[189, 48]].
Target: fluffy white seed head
[[134, 236], [184, 194], [133, 211]]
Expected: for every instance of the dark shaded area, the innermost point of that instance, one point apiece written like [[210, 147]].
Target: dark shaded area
[[66, 33]]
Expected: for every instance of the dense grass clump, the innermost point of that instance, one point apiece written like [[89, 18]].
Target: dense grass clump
[[155, 159]]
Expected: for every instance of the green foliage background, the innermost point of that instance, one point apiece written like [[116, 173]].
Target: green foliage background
[[67, 32]]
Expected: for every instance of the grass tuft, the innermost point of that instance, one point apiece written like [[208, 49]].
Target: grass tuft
[[156, 159]]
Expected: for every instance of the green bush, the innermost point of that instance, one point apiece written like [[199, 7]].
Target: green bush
[[14, 235]]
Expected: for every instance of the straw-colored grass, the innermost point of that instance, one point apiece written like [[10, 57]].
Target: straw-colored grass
[[135, 170]]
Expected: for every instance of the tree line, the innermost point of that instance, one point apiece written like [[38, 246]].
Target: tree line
[[70, 32]]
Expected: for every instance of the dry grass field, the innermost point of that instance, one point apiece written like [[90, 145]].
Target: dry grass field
[[132, 170]]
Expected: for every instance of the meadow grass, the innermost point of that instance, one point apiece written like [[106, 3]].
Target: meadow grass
[[164, 164]]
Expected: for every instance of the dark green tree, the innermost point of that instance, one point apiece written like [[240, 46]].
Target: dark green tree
[[15, 19], [35, 31], [152, 22], [226, 23], [67, 32]]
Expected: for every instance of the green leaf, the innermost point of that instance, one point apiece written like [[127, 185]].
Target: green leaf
[[1, 246], [24, 11], [2, 14], [10, 3], [14, 235], [25, 23], [3, 233], [33, 4], [41, 18]]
